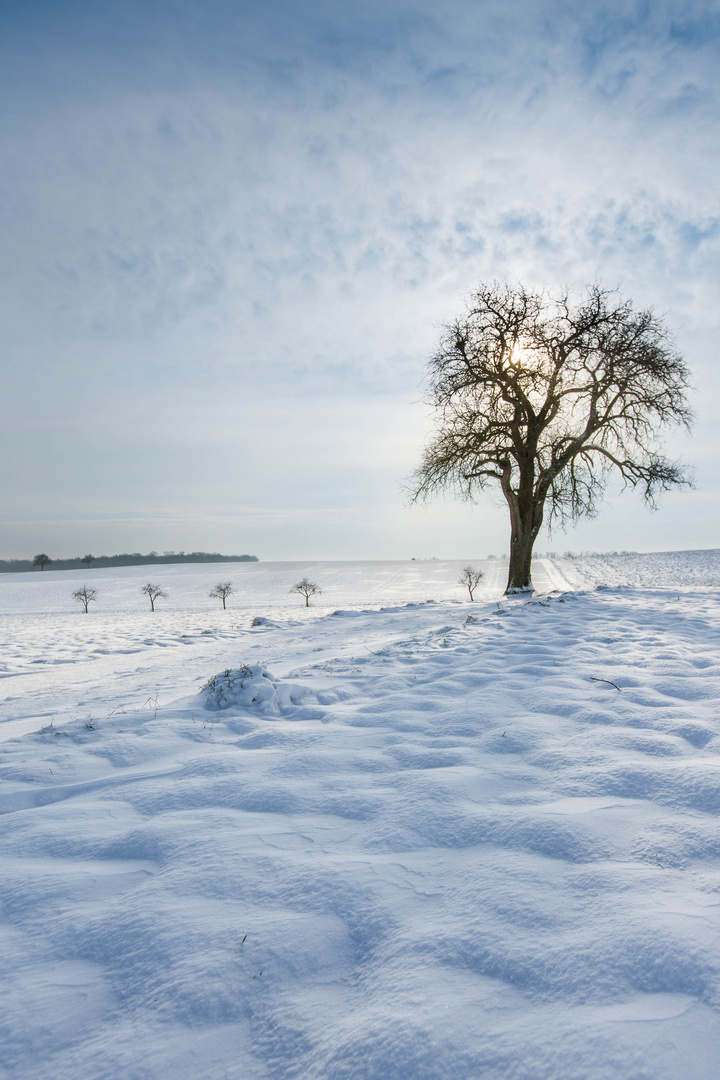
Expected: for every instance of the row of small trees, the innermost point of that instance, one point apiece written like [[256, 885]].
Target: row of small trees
[[221, 591], [469, 577], [86, 595]]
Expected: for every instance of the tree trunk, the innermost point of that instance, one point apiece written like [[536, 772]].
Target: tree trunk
[[521, 545], [526, 515]]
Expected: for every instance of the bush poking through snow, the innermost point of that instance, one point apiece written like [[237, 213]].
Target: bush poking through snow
[[470, 578], [221, 591], [252, 685], [228, 677], [307, 588], [85, 596], [153, 592]]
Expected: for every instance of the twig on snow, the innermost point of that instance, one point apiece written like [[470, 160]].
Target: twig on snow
[[608, 681]]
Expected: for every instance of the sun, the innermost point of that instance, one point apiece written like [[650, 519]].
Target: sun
[[518, 356]]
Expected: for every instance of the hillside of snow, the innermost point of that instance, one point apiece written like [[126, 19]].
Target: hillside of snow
[[377, 839], [661, 569]]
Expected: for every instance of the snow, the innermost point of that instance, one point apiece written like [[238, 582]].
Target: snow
[[665, 568], [379, 838]]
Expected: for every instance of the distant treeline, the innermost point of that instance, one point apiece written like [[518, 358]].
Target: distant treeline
[[135, 559]]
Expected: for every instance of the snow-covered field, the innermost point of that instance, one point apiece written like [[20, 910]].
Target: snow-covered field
[[667, 569], [389, 839]]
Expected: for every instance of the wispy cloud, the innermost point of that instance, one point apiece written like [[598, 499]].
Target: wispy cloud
[[237, 201]]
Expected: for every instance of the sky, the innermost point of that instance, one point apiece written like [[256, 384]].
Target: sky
[[233, 230]]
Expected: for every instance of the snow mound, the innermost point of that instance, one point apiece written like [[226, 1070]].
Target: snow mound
[[253, 687], [264, 621]]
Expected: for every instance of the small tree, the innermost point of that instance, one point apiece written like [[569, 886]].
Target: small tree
[[307, 589], [42, 561], [87, 559], [153, 592], [470, 578], [221, 591], [85, 596], [544, 398]]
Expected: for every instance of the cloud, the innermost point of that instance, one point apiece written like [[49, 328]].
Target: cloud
[[280, 202]]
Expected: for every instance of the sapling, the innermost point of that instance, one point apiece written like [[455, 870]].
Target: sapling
[[470, 578], [153, 592], [221, 591], [307, 589], [85, 596]]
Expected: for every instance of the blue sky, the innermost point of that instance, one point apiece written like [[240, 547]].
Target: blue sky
[[231, 231]]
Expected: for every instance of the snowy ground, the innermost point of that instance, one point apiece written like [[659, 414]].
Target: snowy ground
[[667, 569], [384, 842]]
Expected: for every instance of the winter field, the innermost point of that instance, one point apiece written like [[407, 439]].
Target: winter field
[[377, 839]]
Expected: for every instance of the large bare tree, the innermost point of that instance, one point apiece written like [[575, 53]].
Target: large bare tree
[[546, 397]]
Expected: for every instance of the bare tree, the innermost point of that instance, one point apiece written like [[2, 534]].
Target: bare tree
[[470, 578], [307, 588], [42, 561], [222, 591], [87, 559], [85, 596], [153, 592], [547, 398]]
